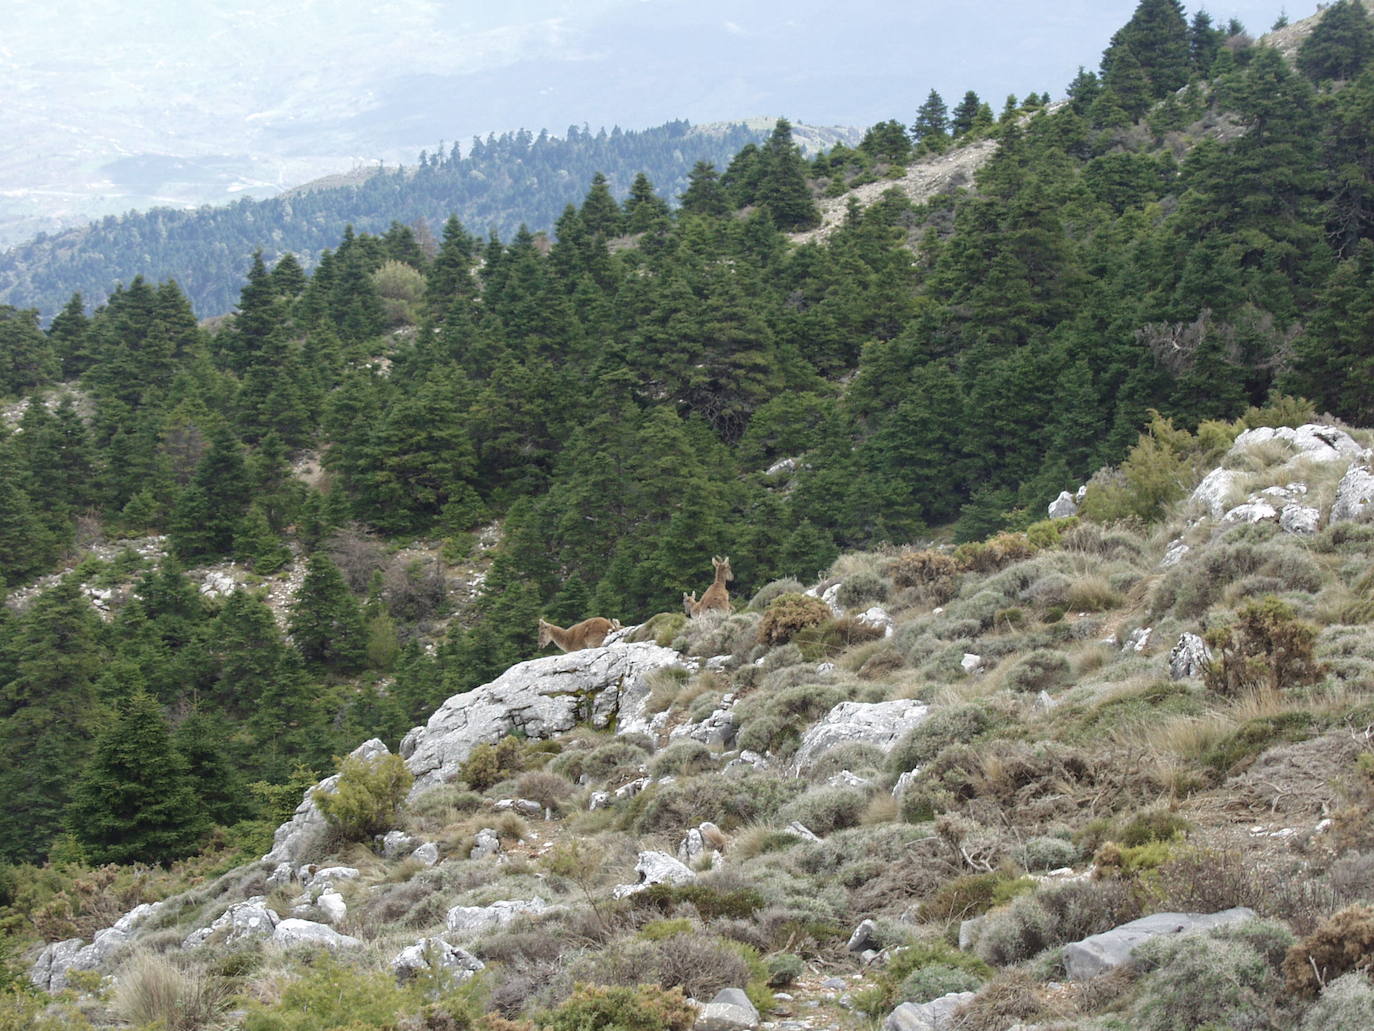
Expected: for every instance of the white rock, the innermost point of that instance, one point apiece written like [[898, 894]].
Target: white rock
[[396, 844], [656, 868], [631, 789], [729, 1010], [846, 779], [1099, 953], [1063, 506], [971, 663], [717, 730], [1174, 554], [782, 465], [332, 905], [49, 971], [537, 699], [1311, 441], [936, 1015], [247, 919], [1354, 497], [282, 875], [865, 936], [1189, 657], [1300, 519], [802, 831], [307, 932], [486, 846], [877, 618], [428, 853], [881, 724], [301, 836], [473, 920], [434, 954], [523, 806], [324, 878], [904, 781], [599, 800], [1214, 490], [1251, 512], [1138, 641]]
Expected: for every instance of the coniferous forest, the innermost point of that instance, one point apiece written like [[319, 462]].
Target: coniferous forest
[[1189, 231]]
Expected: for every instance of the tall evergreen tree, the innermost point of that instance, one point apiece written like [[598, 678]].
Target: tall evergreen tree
[[782, 186], [326, 623], [1340, 46], [931, 128], [1157, 37]]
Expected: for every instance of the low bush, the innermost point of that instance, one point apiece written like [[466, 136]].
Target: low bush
[[1153, 825], [728, 801], [700, 964], [972, 895], [682, 758], [1053, 916], [489, 764], [783, 968], [788, 614], [612, 1008], [710, 902], [1200, 980], [367, 797], [152, 990], [771, 591], [862, 588], [1234, 752], [329, 995], [1341, 944], [595, 764], [826, 809], [944, 726], [995, 553], [1346, 1004], [1041, 670], [1047, 853], [1266, 647], [934, 575]]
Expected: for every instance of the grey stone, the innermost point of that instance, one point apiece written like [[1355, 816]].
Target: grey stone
[[1302, 520], [282, 875], [969, 930], [1138, 641], [1173, 555], [802, 831], [523, 806], [599, 800], [865, 936], [396, 844], [971, 663], [936, 1015], [1311, 441], [49, 971], [1102, 952], [631, 789], [332, 905], [876, 617], [656, 868], [434, 954], [1214, 490], [848, 779], [1063, 506], [717, 730], [697, 843], [1354, 497], [1251, 512], [729, 1010], [325, 877], [1189, 657], [881, 724], [487, 844], [428, 854], [537, 699], [307, 932], [243, 920], [904, 781], [473, 920], [301, 837]]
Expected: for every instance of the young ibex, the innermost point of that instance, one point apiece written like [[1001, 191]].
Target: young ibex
[[590, 633], [717, 596]]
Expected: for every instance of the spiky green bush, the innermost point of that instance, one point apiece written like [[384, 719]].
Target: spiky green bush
[[367, 797]]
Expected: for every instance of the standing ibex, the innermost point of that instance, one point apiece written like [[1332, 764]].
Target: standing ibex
[[590, 633], [717, 596]]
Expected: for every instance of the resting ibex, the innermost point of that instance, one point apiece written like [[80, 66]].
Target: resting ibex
[[717, 596], [590, 633]]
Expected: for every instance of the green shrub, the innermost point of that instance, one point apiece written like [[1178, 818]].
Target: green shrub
[[368, 796], [1255, 736], [681, 759], [1199, 980], [997, 552], [1041, 670], [603, 1008], [936, 980], [972, 895], [711, 903], [1047, 854], [1346, 1004], [826, 809], [788, 614], [1153, 825], [597, 763], [933, 574], [783, 968], [1048, 532], [329, 996], [943, 727], [862, 587], [728, 801], [1053, 916], [774, 721], [547, 788], [768, 593], [700, 964], [1266, 647], [489, 764]]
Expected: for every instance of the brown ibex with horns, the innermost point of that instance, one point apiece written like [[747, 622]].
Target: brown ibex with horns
[[717, 596], [590, 633]]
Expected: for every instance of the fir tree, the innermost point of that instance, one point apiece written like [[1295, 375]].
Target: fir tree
[[965, 114], [1341, 44], [326, 623], [931, 128]]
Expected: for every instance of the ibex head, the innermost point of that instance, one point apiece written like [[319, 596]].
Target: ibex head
[[545, 636], [689, 603], [723, 564]]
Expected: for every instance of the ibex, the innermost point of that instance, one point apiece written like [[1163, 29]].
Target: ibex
[[590, 633], [690, 603], [717, 596]]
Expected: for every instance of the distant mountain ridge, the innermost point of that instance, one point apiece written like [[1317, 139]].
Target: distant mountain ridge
[[499, 184]]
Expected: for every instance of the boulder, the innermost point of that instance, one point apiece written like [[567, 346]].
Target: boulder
[[936, 1015], [537, 699], [473, 920], [802, 831], [1354, 497], [876, 617], [904, 781], [698, 843], [1173, 555], [1099, 953], [396, 844], [332, 905], [428, 854], [1311, 441], [522, 806], [324, 878], [1189, 657], [848, 779], [49, 971], [300, 837], [881, 724], [717, 730], [486, 846], [1302, 520], [656, 868], [729, 1010], [1251, 512], [971, 663], [865, 936], [243, 920], [598, 800], [1063, 506], [1214, 490], [434, 954], [1138, 641], [307, 932], [282, 875]]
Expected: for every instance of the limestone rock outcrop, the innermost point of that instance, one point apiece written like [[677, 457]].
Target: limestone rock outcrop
[[1099, 953], [298, 839], [881, 724]]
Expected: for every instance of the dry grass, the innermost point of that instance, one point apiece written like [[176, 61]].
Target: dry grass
[[155, 991]]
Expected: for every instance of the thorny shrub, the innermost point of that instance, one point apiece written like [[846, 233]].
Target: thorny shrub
[[489, 764], [1343, 943], [367, 797], [1266, 647], [789, 614]]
